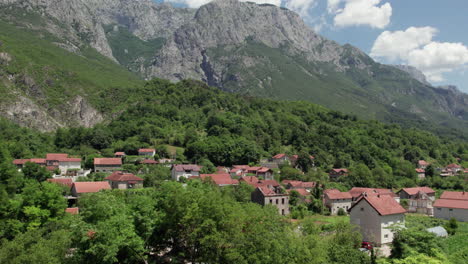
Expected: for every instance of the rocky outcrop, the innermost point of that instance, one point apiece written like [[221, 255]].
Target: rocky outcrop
[[413, 72]]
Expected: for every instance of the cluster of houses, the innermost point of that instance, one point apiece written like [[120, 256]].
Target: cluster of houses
[[374, 211], [448, 171]]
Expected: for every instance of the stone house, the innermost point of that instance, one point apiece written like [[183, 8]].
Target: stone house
[[336, 174], [119, 154], [281, 159], [375, 216], [107, 164], [62, 162], [121, 180], [184, 170], [333, 199], [275, 196]]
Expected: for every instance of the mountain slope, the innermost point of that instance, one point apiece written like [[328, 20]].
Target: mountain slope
[[242, 47]]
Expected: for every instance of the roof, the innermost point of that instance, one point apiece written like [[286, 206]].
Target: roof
[[448, 203], [146, 150], [422, 163], [415, 190], [74, 210], [336, 194], [438, 231], [91, 187], [220, 178], [420, 170], [121, 176], [357, 191], [148, 161], [263, 169], [23, 161], [300, 184], [453, 165], [279, 156], [383, 204], [249, 179], [244, 167], [62, 181], [61, 157], [186, 167], [119, 153], [454, 195], [339, 170], [107, 161], [269, 192], [255, 182], [301, 191]]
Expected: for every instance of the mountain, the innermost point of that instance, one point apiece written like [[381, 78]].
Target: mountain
[[258, 50], [413, 72]]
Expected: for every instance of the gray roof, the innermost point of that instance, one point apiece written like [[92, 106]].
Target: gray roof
[[438, 231]]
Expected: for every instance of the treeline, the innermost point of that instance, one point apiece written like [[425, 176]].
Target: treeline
[[231, 129]]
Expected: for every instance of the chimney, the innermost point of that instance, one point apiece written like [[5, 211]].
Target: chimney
[[378, 195]]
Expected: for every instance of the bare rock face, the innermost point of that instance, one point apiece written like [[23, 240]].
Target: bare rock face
[[413, 72], [83, 113]]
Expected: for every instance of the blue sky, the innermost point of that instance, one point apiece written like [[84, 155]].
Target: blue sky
[[431, 35]]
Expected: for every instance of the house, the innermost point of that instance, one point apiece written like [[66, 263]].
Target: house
[[420, 199], [336, 174], [161, 161], [255, 182], [148, 152], [454, 195], [281, 159], [121, 180], [79, 188], [20, 162], [335, 200], [220, 179], [119, 154], [375, 215], [453, 168], [275, 196], [184, 170], [452, 205], [357, 192], [265, 173], [148, 162], [422, 164], [107, 164], [292, 184], [421, 173], [63, 162]]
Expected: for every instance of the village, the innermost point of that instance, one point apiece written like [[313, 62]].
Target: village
[[375, 212]]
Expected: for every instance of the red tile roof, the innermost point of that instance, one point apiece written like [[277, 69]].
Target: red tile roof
[[334, 194], [145, 150], [62, 181], [415, 190], [244, 167], [454, 195], [249, 179], [263, 170], [279, 156], [423, 163], [186, 167], [255, 182], [74, 210], [107, 161], [90, 187], [148, 161], [341, 170], [420, 170], [220, 178], [56, 156], [300, 184], [121, 177], [453, 165], [357, 191], [119, 153], [449, 203], [383, 204], [23, 161]]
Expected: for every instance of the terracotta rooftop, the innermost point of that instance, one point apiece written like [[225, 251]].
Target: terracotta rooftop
[[148, 161], [23, 161], [74, 210], [62, 181], [448, 203], [90, 187], [145, 150], [357, 191], [423, 163], [220, 178], [420, 170], [61, 157], [340, 170], [454, 195], [415, 190], [107, 161], [279, 156], [121, 176], [453, 165], [119, 153], [186, 167], [336, 194], [383, 204]]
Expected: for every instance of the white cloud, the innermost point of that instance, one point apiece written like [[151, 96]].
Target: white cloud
[[198, 3], [302, 7], [415, 47], [333, 6], [362, 12], [397, 44]]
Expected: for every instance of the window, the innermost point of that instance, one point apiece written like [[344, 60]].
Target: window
[[439, 208], [385, 236], [282, 211], [282, 201], [277, 201], [450, 210], [362, 208], [271, 201]]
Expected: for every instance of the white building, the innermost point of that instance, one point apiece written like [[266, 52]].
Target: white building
[[452, 205], [375, 216], [184, 170], [334, 200]]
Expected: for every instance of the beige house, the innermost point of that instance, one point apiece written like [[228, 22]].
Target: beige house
[[452, 205], [375, 216], [121, 180], [272, 195], [334, 200], [107, 164]]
